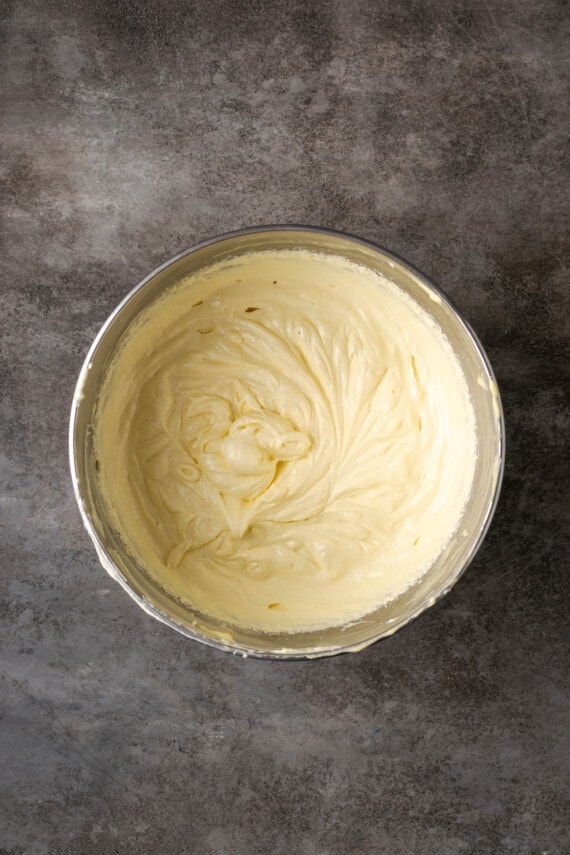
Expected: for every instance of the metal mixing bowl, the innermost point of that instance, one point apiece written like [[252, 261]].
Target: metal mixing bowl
[[385, 620]]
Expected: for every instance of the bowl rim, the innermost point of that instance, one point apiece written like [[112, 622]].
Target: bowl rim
[[286, 653]]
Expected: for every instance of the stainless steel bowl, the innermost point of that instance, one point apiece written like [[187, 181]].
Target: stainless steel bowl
[[385, 620]]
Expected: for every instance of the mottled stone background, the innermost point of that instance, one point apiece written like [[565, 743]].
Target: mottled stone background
[[134, 128]]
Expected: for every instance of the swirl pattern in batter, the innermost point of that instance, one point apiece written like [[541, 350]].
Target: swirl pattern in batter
[[286, 441]]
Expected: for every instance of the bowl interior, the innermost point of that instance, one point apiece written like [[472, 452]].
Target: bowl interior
[[385, 620]]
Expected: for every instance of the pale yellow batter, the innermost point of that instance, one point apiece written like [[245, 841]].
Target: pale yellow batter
[[286, 441]]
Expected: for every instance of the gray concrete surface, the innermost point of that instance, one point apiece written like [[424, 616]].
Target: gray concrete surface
[[130, 130]]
